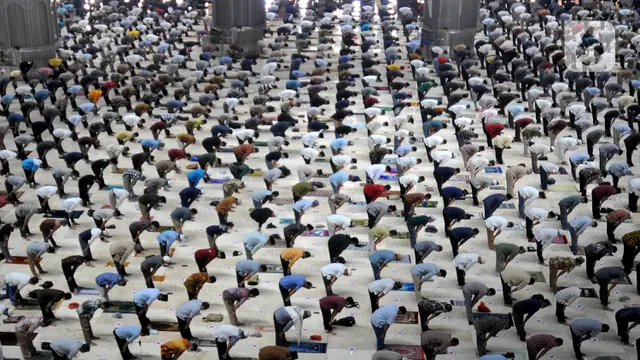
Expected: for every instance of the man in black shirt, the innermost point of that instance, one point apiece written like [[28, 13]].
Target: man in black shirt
[[604, 276], [292, 231], [69, 266], [84, 185], [339, 243], [528, 307], [98, 167], [271, 159], [47, 299], [261, 216]]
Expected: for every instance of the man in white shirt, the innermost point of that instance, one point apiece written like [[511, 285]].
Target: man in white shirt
[[463, 262], [526, 196], [408, 182], [375, 171], [564, 144], [546, 169], [405, 164], [337, 222], [309, 139], [5, 156], [440, 157], [116, 198], [44, 193], [68, 206], [310, 154], [226, 337], [377, 140], [538, 152], [15, 282], [534, 216], [379, 288], [495, 226], [564, 299], [331, 273], [544, 237], [338, 162], [246, 135]]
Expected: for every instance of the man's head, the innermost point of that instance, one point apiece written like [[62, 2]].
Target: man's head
[[263, 268], [402, 310], [122, 282], [542, 195], [85, 348], [448, 307], [559, 342], [204, 305], [391, 208], [387, 187], [442, 273], [193, 212], [532, 281], [254, 292], [34, 280], [476, 231], [306, 255], [454, 342], [308, 285], [105, 305], [605, 328], [421, 179], [509, 355], [546, 303], [67, 296], [594, 224]]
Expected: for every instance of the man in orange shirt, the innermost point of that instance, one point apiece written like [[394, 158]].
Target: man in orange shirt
[[243, 151], [172, 350], [289, 256], [224, 207]]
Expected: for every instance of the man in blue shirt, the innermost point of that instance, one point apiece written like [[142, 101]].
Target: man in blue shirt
[[142, 300], [166, 239], [338, 179], [290, 284], [492, 203], [301, 206], [575, 160], [195, 176], [424, 272], [459, 236], [442, 174], [382, 319], [567, 205], [214, 231], [452, 193], [126, 335], [339, 144], [452, 215], [380, 259], [188, 195], [107, 281]]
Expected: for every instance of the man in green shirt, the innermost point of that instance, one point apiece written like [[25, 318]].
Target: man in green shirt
[[301, 189]]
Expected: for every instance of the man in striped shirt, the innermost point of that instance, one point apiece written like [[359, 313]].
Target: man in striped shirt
[[129, 179], [24, 212], [85, 311]]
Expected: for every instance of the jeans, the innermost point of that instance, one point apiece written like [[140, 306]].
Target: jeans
[[560, 308], [413, 235], [378, 331], [521, 201], [376, 271]]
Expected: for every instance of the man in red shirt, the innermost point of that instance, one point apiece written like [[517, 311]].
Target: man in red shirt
[[519, 125], [243, 151], [330, 306], [176, 154], [599, 195], [410, 202], [204, 256], [374, 191], [491, 131], [370, 101]]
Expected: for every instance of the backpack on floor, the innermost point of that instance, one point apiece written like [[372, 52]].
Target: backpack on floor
[[348, 321]]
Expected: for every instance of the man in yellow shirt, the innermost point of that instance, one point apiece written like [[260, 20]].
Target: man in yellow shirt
[[172, 350], [289, 256], [124, 136]]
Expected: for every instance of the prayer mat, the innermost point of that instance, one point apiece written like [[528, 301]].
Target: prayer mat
[[118, 171], [507, 206], [61, 214], [282, 201], [158, 278], [218, 181], [226, 150], [360, 222], [581, 252], [287, 221], [9, 338], [110, 264], [538, 276], [428, 204], [389, 177], [297, 137], [164, 326], [382, 88], [316, 233], [12, 319], [18, 194], [124, 307], [392, 171], [273, 269], [410, 352], [515, 227], [357, 247], [192, 166], [265, 328], [411, 317], [497, 187], [322, 176], [322, 160], [456, 302], [624, 281], [111, 187], [586, 292], [631, 305], [256, 173], [479, 316], [460, 178], [407, 286], [279, 244], [493, 170], [260, 143], [401, 235], [19, 260], [570, 188], [106, 207], [309, 347], [406, 259], [163, 228], [88, 291], [30, 304], [321, 193], [358, 203], [389, 160], [384, 108], [206, 343]]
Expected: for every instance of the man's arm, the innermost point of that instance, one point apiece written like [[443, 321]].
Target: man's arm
[[542, 353]]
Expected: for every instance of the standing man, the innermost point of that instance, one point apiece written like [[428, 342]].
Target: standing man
[[288, 257], [463, 262], [107, 281], [339, 243], [624, 317], [226, 337], [245, 269], [631, 243], [25, 329], [380, 259], [379, 288], [290, 284], [126, 335], [585, 329], [14, 283], [330, 307], [142, 300], [35, 251], [567, 205], [429, 310], [382, 319], [215, 231], [285, 318], [180, 215], [596, 251], [496, 224], [472, 293], [69, 266], [48, 299], [186, 313], [234, 298], [150, 265], [204, 256], [415, 224], [255, 241], [85, 311], [424, 248], [528, 307]]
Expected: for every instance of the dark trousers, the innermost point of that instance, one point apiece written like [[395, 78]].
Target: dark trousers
[[372, 220], [222, 218], [539, 252], [185, 331], [142, 316], [603, 292], [222, 346], [633, 202], [623, 329], [591, 265], [454, 246], [506, 292], [529, 227], [518, 322], [58, 357], [560, 312], [374, 301], [326, 318], [460, 274], [628, 256], [577, 341], [123, 347], [148, 277], [285, 267], [424, 315], [285, 294], [120, 268], [68, 275], [611, 232], [327, 286], [240, 279], [281, 339]]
